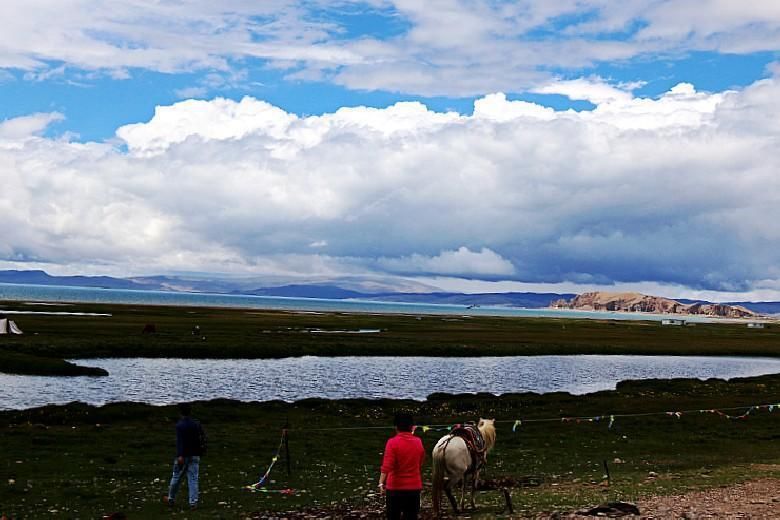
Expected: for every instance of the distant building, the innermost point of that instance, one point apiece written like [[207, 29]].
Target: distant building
[[673, 321], [756, 325]]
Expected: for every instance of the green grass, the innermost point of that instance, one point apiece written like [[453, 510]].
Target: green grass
[[242, 333], [84, 461]]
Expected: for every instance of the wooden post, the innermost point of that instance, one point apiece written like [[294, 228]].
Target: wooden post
[[286, 437]]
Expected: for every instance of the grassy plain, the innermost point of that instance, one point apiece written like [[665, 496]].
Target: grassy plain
[[82, 462], [78, 461], [245, 333]]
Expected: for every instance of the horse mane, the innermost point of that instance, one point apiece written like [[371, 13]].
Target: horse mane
[[488, 430]]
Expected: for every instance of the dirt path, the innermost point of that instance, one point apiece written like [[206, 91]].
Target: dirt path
[[753, 499], [756, 499]]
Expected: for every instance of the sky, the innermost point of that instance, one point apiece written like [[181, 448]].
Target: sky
[[468, 145]]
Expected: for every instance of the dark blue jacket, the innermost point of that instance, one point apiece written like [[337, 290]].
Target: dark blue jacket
[[187, 437]]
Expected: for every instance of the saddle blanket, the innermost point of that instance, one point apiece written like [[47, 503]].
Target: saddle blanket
[[474, 441]]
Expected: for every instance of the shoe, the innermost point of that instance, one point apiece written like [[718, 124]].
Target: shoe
[[193, 507], [167, 501]]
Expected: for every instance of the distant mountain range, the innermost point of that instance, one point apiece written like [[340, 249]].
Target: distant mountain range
[[43, 278], [515, 299], [528, 300]]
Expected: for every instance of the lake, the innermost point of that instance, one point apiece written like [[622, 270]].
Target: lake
[[165, 381]]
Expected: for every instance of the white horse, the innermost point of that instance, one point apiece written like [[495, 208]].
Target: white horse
[[451, 462]]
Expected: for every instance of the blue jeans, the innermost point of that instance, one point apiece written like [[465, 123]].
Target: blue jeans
[[190, 467]]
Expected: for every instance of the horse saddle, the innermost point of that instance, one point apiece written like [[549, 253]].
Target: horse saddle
[[475, 443]]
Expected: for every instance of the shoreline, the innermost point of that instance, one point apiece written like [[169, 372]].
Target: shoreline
[[763, 318]]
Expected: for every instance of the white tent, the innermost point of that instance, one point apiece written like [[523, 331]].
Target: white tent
[[9, 327], [14, 328]]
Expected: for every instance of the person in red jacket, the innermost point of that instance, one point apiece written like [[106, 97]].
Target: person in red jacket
[[400, 478]]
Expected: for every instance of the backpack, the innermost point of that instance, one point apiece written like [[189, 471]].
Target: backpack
[[203, 440]]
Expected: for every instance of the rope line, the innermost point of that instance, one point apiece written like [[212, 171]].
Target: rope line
[[257, 486], [583, 418], [260, 485]]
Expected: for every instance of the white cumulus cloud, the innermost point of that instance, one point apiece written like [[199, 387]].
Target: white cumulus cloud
[[463, 261], [679, 190], [597, 91], [26, 127]]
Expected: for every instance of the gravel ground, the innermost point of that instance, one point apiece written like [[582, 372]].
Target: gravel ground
[[754, 499]]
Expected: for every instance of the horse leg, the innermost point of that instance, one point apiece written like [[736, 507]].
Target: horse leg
[[453, 503], [462, 492], [474, 479], [508, 499]]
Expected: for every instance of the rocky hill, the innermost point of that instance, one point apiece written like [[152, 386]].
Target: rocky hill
[[636, 302]]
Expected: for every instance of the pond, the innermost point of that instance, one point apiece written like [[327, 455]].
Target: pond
[[165, 381]]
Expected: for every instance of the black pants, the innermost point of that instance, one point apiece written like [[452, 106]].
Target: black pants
[[403, 504]]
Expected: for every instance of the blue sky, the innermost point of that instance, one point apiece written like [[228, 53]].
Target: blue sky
[[80, 72], [95, 108], [94, 103]]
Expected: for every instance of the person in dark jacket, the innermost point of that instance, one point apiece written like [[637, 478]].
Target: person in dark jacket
[[400, 477], [188, 452]]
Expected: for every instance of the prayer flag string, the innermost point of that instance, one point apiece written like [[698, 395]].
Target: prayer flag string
[[517, 423]]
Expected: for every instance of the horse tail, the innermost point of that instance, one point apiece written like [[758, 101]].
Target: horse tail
[[439, 469]]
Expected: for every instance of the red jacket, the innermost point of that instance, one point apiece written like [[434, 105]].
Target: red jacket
[[404, 456]]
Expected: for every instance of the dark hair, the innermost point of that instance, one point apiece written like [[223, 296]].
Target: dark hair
[[403, 421], [185, 409]]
